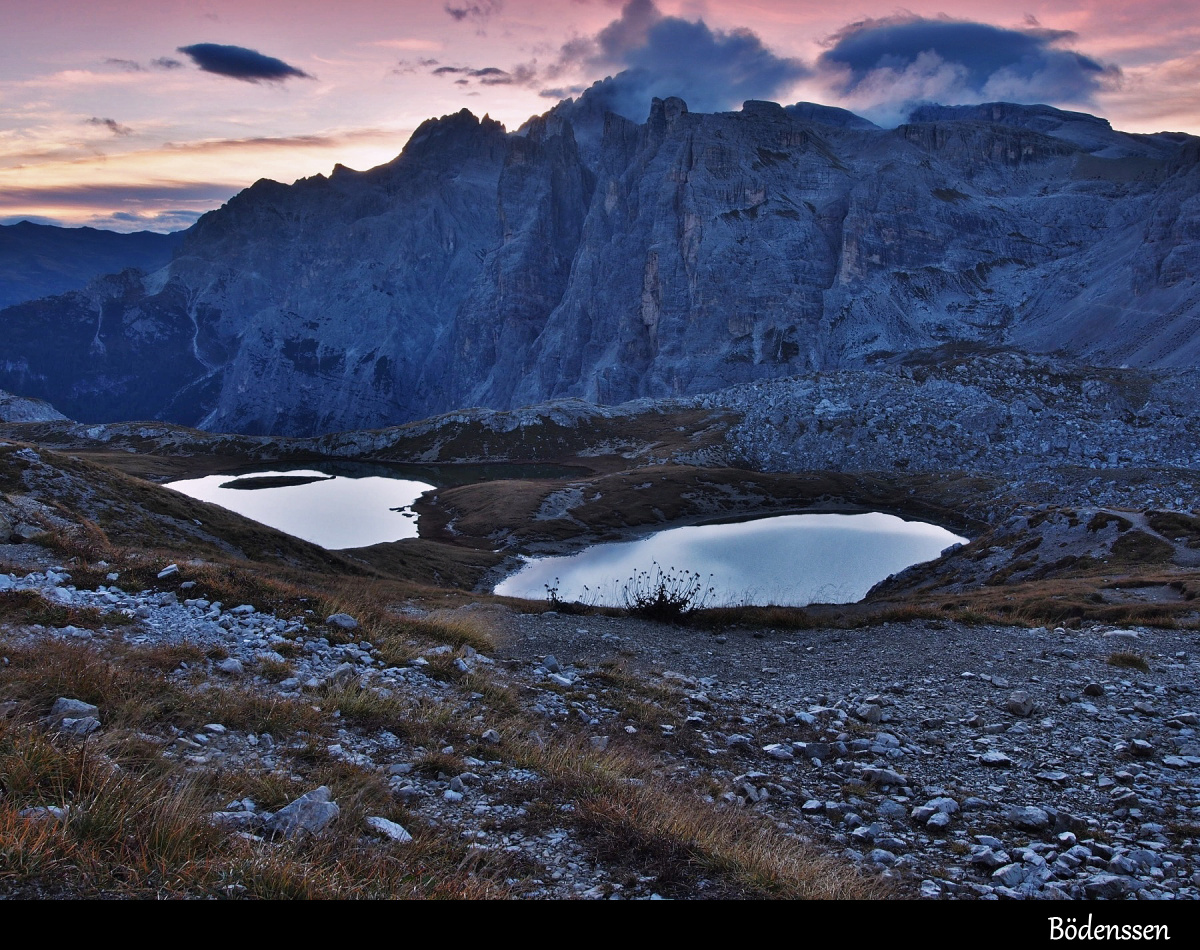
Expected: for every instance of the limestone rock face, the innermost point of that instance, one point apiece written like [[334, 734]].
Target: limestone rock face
[[589, 256]]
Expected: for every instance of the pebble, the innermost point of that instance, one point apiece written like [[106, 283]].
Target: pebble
[[1020, 703]]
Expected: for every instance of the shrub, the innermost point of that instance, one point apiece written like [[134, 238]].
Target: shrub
[[665, 596], [1128, 660], [565, 606]]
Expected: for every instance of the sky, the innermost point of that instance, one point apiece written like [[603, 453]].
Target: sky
[[143, 114]]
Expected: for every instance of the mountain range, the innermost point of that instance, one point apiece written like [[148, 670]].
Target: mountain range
[[586, 255], [40, 260]]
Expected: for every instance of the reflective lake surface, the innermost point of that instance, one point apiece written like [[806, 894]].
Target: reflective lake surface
[[790, 560], [333, 511]]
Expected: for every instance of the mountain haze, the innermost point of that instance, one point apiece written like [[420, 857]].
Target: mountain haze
[[587, 255], [37, 260]]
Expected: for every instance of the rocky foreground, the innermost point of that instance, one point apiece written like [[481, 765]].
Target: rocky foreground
[[957, 761]]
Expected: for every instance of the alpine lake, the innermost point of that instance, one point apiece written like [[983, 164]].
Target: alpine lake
[[786, 560]]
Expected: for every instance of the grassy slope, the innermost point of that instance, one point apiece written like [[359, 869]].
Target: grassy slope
[[135, 822]]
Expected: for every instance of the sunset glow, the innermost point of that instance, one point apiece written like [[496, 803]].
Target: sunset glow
[[144, 115]]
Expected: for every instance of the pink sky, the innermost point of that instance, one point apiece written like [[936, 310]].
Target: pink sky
[[95, 124]]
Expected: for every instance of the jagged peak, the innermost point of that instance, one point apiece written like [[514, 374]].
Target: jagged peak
[[456, 123], [668, 109]]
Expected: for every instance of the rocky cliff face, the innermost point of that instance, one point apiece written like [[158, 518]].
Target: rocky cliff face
[[590, 256]]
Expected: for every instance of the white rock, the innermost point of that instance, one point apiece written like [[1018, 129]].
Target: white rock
[[310, 813], [389, 829]]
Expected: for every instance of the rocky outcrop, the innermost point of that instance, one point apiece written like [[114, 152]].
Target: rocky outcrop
[[18, 409], [588, 256]]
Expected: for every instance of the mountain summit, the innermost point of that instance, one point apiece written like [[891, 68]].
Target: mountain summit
[[591, 256]]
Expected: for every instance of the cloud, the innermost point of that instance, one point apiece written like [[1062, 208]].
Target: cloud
[[166, 62], [888, 65], [487, 76], [31, 218], [112, 125], [168, 220], [412, 44], [478, 11], [285, 142], [656, 55], [405, 67], [238, 62], [165, 206], [114, 194], [129, 65]]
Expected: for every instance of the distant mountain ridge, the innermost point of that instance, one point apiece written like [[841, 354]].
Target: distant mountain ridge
[[40, 260], [591, 256]]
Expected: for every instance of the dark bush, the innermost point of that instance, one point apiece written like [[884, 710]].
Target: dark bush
[[665, 596]]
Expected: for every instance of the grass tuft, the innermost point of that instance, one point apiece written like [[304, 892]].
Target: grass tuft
[[1128, 660]]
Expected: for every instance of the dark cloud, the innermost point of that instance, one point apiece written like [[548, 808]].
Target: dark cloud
[[237, 62], [32, 219], [274, 141], [338, 140], [897, 62], [405, 67], [166, 62], [475, 10], [119, 196], [657, 55], [112, 125], [652, 55], [129, 65], [487, 76], [169, 220], [561, 92]]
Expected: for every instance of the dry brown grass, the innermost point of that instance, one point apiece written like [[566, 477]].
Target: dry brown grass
[[1128, 660], [367, 708], [1097, 596], [129, 834], [30, 607], [275, 670], [637, 698], [631, 816], [131, 689]]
